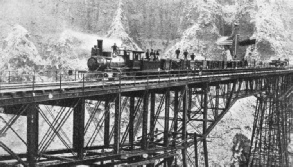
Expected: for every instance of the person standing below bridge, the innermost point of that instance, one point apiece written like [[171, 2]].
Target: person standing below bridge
[[177, 52], [185, 53]]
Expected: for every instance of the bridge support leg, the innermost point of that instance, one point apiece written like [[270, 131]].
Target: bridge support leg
[[176, 111], [107, 124], [270, 138], [144, 143], [131, 122], [184, 128], [78, 128], [189, 103], [152, 116], [166, 123], [152, 121], [117, 124], [195, 150], [205, 111], [32, 134]]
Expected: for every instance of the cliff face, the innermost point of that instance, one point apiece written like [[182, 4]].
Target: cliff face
[[274, 29], [50, 17], [164, 25], [155, 24]]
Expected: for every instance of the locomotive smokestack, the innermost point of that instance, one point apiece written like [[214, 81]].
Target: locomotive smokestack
[[100, 46]]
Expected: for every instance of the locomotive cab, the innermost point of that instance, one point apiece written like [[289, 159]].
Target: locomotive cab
[[133, 60]]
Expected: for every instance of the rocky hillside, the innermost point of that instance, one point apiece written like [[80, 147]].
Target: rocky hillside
[[195, 25], [165, 25]]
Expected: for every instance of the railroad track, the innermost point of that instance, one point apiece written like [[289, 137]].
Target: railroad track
[[6, 88]]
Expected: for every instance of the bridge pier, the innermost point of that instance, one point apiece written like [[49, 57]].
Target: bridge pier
[[270, 136]]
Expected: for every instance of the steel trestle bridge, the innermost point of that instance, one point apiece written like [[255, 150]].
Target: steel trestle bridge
[[159, 119]]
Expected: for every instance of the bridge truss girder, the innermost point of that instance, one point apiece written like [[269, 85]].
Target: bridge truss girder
[[152, 127]]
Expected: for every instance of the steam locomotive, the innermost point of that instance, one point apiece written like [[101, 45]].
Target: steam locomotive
[[110, 62]]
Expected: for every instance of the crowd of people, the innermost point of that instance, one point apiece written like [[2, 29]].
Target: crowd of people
[[185, 53], [153, 55]]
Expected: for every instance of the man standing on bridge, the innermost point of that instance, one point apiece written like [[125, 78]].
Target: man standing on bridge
[[185, 53], [152, 54], [147, 54], [115, 49], [177, 52]]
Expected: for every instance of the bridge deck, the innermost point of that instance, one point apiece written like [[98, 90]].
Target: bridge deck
[[11, 94]]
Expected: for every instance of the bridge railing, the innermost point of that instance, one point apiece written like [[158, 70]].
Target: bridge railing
[[34, 80]]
